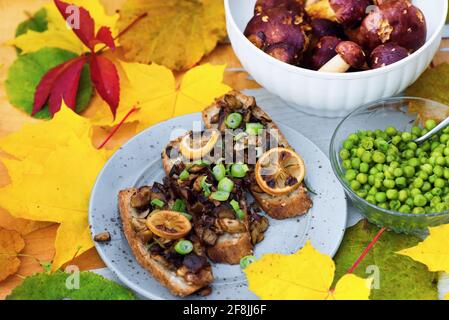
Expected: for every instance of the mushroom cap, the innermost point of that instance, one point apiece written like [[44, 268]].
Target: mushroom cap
[[396, 21], [283, 52], [264, 5], [349, 12], [323, 52], [351, 53], [387, 54], [277, 25], [325, 27]]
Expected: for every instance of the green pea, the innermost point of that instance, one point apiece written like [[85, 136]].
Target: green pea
[[419, 200], [432, 178], [416, 131], [426, 186], [373, 171], [394, 205], [398, 172], [418, 210], [404, 209], [378, 183], [366, 157], [350, 175], [438, 171], [353, 137], [378, 157], [391, 131], [359, 152], [371, 180], [402, 195], [364, 167], [362, 193], [412, 145], [392, 194], [428, 196], [383, 205], [355, 163], [435, 200], [446, 173], [233, 120], [396, 140], [355, 185], [372, 191], [418, 183], [380, 197], [367, 143], [446, 151], [406, 136], [439, 183], [430, 124], [409, 202], [409, 171], [427, 168], [414, 192], [408, 154], [440, 207], [345, 154], [347, 164], [389, 184], [371, 199], [440, 160]]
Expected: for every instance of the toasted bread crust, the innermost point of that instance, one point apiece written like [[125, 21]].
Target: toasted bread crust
[[294, 204], [231, 248], [177, 285]]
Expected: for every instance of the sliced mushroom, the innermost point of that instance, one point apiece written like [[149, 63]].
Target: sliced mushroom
[[142, 198], [349, 54], [145, 235], [323, 51], [138, 224], [209, 237], [231, 225], [387, 54], [347, 12]]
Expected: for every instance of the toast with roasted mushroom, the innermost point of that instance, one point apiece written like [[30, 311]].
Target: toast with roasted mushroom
[[217, 202], [162, 241], [281, 194]]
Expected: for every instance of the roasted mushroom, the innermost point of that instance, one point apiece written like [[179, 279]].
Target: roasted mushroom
[[394, 21], [322, 52], [387, 54], [347, 12], [279, 26], [349, 54]]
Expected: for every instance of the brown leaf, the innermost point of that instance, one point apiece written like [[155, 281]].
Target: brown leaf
[[11, 244]]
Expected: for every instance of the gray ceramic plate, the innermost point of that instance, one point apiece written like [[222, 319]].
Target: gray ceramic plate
[[138, 163]]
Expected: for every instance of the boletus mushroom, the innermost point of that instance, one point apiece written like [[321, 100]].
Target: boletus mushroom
[[349, 55], [394, 21], [325, 27], [323, 52], [280, 32], [347, 12], [264, 5], [387, 54]]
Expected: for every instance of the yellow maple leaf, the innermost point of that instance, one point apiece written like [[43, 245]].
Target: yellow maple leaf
[[51, 181], [446, 297], [153, 90], [58, 35], [11, 244], [304, 275], [176, 34], [433, 251]]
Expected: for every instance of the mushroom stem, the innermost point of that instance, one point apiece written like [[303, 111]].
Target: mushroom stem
[[336, 65]]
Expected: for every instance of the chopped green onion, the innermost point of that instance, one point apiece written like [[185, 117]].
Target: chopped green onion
[[200, 162], [188, 216], [246, 261], [239, 170], [219, 171], [205, 187], [240, 135], [220, 195], [184, 175], [233, 120], [234, 204], [184, 247], [226, 185], [254, 129], [179, 205], [158, 203], [239, 213]]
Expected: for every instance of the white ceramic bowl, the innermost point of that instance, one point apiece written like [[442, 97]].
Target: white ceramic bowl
[[330, 94]]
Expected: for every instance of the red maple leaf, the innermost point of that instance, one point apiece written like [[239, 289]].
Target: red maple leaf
[[61, 82]]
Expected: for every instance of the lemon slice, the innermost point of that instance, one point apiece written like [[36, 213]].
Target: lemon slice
[[279, 171], [168, 224], [197, 146]]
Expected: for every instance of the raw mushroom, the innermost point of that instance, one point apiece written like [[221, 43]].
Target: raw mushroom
[[323, 52], [283, 52], [326, 27], [264, 5], [347, 12], [349, 54], [278, 26], [394, 21], [387, 54]]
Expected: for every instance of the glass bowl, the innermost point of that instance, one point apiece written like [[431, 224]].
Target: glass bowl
[[402, 113]]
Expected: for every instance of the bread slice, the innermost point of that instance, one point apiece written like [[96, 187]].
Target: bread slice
[[297, 202], [176, 284], [229, 248]]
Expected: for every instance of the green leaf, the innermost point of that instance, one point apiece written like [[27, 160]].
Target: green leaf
[[44, 286], [433, 84], [401, 278], [38, 22], [26, 72]]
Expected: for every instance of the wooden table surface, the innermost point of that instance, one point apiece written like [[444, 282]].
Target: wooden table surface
[[40, 243]]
